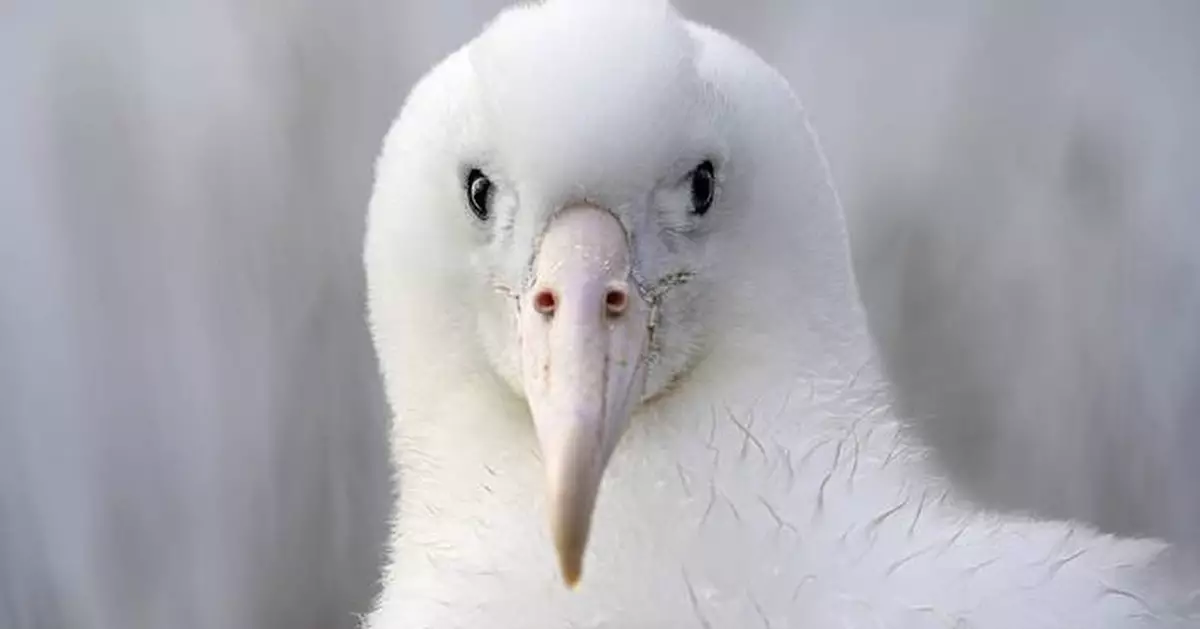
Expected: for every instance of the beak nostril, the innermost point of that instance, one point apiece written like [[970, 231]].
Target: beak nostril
[[615, 301], [545, 302]]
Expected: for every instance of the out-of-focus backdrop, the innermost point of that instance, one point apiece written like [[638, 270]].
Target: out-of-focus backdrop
[[192, 434]]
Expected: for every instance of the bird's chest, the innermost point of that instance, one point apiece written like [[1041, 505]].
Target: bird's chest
[[728, 523], [737, 525]]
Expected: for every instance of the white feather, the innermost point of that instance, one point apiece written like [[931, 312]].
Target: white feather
[[767, 483]]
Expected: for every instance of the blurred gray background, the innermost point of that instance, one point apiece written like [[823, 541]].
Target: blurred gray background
[[191, 428]]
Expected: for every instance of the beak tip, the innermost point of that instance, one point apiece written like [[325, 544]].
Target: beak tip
[[572, 570], [570, 556], [572, 501]]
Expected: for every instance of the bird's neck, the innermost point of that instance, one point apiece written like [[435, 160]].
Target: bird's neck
[[464, 443], [472, 485]]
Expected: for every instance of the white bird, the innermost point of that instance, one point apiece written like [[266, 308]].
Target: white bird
[[610, 291]]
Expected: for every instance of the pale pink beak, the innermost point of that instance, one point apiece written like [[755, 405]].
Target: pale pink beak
[[584, 332]]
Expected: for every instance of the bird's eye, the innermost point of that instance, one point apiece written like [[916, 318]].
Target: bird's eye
[[479, 193], [704, 188]]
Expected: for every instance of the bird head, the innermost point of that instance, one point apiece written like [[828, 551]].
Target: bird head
[[584, 202]]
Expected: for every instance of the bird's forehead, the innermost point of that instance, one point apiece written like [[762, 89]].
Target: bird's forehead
[[589, 93]]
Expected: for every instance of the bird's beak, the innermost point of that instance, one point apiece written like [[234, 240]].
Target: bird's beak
[[584, 331]]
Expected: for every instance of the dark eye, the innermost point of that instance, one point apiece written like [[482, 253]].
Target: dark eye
[[704, 188], [479, 193]]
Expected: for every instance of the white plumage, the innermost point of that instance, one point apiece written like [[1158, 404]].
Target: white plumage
[[760, 479]]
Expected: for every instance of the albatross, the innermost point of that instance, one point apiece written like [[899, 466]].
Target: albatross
[[610, 291]]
